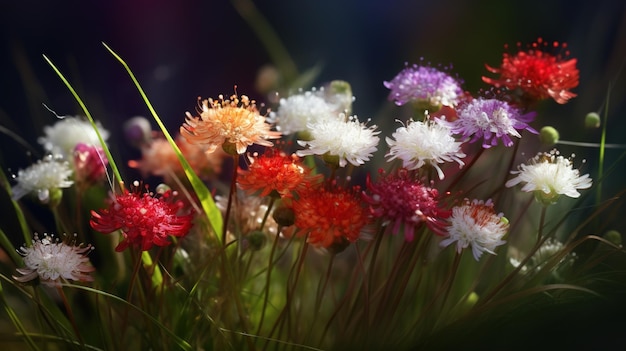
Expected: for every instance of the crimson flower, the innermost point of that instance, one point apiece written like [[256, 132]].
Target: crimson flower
[[330, 216], [537, 73], [275, 171], [145, 219], [405, 202]]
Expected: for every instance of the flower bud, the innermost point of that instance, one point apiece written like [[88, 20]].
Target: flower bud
[[549, 135], [614, 237], [284, 216], [256, 240], [138, 131], [592, 120]]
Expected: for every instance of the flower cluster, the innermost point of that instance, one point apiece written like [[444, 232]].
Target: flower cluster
[[349, 251]]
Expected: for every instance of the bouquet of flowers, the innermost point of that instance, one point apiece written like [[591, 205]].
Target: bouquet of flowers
[[294, 224]]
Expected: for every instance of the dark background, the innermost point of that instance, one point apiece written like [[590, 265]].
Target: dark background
[[180, 50]]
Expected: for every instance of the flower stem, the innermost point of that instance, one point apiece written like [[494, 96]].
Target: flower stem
[[70, 315]]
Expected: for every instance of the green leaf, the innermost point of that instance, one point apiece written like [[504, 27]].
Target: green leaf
[[213, 214]]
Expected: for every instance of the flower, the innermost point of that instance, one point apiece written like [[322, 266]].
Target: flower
[[347, 141], [66, 133], [549, 250], [329, 216], [89, 163], [233, 124], [297, 111], [53, 261], [537, 73], [477, 225], [419, 143], [144, 219], [158, 158], [550, 175], [249, 214], [275, 171], [45, 178], [426, 85], [491, 119], [405, 202]]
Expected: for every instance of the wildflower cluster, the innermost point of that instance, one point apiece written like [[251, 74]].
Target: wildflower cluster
[[300, 229]]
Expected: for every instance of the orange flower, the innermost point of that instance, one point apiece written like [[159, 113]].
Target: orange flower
[[330, 216], [275, 171], [538, 74], [233, 124], [159, 159]]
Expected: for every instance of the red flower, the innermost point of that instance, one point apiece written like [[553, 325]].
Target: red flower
[[537, 73], [275, 171], [145, 219], [403, 201], [330, 216]]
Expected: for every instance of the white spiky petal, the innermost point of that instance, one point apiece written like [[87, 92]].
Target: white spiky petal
[[297, 111], [42, 177], [62, 137], [349, 140], [476, 224], [419, 143], [550, 175], [53, 261]]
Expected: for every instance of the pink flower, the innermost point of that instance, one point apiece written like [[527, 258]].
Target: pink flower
[[405, 202]]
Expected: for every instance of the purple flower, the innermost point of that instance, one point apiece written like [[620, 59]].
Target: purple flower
[[426, 85], [491, 119]]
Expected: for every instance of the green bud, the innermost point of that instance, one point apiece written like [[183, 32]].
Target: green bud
[[230, 148], [284, 216], [55, 197], [614, 237], [256, 239], [471, 299], [549, 135], [546, 199], [339, 92], [331, 160], [338, 246], [162, 188], [592, 120]]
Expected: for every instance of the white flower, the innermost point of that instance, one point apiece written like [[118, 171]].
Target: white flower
[[350, 141], [53, 261], [419, 143], [65, 134], [297, 111], [43, 177], [477, 225], [548, 250], [550, 175]]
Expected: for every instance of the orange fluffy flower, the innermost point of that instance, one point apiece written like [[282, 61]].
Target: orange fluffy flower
[[275, 171], [330, 216], [233, 123], [537, 73]]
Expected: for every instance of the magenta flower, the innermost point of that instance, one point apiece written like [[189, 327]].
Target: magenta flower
[[491, 119], [424, 84], [89, 163], [405, 202]]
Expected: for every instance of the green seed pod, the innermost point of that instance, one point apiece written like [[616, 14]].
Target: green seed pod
[[592, 120], [549, 135]]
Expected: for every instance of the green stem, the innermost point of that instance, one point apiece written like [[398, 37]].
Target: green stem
[[116, 172]]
